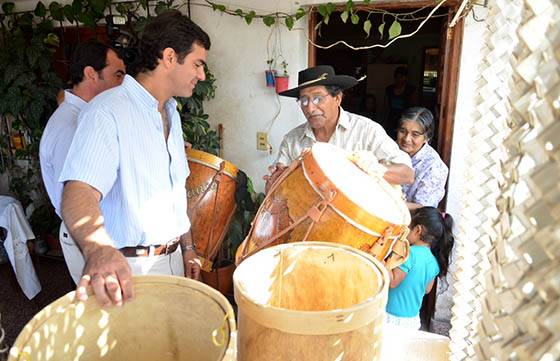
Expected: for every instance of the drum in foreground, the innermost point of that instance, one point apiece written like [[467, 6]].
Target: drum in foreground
[[211, 202], [323, 196], [170, 318], [310, 301]]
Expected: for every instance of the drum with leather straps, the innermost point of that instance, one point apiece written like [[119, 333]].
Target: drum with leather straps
[[324, 196], [211, 202]]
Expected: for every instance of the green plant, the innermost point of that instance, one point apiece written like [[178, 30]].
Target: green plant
[[196, 128], [29, 87], [247, 205]]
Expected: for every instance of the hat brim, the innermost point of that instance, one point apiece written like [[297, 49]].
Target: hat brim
[[343, 81]]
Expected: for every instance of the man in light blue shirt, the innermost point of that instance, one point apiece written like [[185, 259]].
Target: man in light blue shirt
[[95, 67], [124, 199]]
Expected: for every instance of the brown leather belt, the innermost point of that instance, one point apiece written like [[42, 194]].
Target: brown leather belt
[[153, 250]]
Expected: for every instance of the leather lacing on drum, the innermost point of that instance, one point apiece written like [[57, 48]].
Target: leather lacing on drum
[[209, 256], [314, 213], [394, 235]]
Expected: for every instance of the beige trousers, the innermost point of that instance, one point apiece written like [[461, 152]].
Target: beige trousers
[[171, 264]]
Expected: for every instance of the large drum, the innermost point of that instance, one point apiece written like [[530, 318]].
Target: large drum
[[324, 196], [211, 202], [170, 319], [310, 301]]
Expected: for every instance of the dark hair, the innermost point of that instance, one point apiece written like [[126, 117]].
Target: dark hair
[[401, 70], [436, 230], [422, 116], [91, 53], [333, 90], [170, 29]]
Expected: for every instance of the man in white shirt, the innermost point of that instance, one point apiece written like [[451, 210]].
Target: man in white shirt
[[95, 67], [319, 94], [124, 198]]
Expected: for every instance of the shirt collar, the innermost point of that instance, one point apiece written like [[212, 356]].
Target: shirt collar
[[421, 152], [139, 92], [343, 121], [73, 99]]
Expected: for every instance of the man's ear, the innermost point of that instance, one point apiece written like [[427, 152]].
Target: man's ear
[[168, 57], [339, 98], [90, 73]]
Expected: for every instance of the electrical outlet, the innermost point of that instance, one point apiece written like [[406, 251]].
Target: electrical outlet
[[262, 141]]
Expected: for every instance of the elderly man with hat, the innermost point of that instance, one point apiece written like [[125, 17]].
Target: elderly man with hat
[[319, 94]]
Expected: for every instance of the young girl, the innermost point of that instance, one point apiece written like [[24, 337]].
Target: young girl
[[431, 242]]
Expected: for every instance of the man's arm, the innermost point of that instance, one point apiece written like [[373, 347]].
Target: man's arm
[[191, 261], [399, 174], [106, 269]]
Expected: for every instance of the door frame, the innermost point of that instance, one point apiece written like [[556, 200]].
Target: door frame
[[451, 62]]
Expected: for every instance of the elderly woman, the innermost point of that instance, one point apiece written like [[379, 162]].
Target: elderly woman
[[416, 128]]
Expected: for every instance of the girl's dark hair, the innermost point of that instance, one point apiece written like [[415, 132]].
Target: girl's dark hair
[[422, 116], [436, 230], [170, 29]]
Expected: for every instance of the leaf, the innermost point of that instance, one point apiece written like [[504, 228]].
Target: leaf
[[161, 7], [33, 54], [249, 17], [344, 16], [143, 3], [239, 12], [97, 5], [326, 19], [69, 13], [40, 10], [300, 13], [290, 22], [56, 11], [395, 30], [222, 8], [77, 7], [367, 27], [381, 28], [322, 9], [26, 19], [8, 7], [366, 2], [349, 5], [269, 20], [330, 8], [355, 19], [87, 19]]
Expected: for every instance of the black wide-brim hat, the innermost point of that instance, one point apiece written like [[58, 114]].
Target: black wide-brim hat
[[320, 75]]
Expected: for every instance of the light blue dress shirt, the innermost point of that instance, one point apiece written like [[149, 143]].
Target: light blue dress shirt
[[55, 143], [119, 149]]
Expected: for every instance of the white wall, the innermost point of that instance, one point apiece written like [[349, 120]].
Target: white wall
[[243, 104]]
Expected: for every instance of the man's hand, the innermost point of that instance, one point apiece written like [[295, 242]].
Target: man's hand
[[109, 275], [275, 172], [192, 264], [367, 161]]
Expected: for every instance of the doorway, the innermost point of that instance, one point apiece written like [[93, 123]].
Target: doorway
[[430, 58]]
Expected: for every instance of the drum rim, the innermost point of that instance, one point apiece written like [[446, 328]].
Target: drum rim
[[364, 310], [68, 301], [309, 161], [211, 161]]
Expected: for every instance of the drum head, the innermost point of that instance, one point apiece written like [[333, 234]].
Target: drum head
[[374, 195]]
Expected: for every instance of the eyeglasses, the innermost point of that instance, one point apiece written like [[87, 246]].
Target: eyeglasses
[[414, 134], [315, 100]]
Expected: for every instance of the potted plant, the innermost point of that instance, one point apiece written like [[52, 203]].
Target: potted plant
[[270, 74], [282, 80]]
